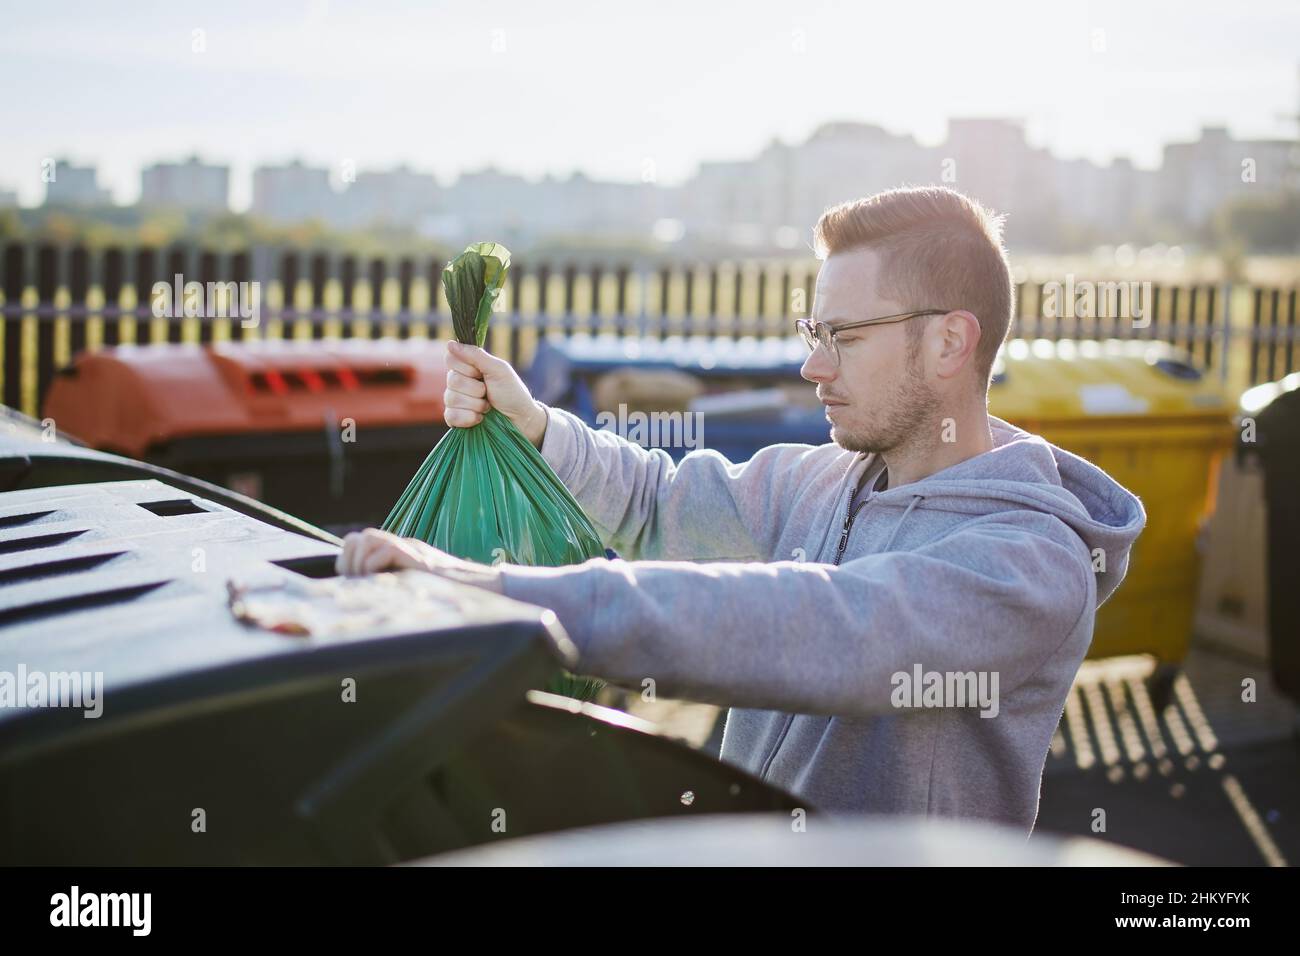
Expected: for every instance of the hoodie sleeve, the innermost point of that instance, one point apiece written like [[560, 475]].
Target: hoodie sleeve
[[1001, 594], [644, 505]]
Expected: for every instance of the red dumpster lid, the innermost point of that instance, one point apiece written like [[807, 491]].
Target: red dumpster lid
[[129, 398]]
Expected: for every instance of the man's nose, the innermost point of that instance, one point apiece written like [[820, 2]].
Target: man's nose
[[819, 366]]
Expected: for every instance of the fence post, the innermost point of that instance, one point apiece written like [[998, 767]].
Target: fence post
[[114, 281], [1225, 320], [15, 279], [514, 299], [378, 274], [621, 273], [543, 282], [240, 269], [665, 282], [688, 311], [405, 280], [1290, 333], [176, 265], [436, 329], [289, 294], [596, 317], [78, 292], [47, 283], [145, 275], [209, 276], [570, 277], [320, 270]]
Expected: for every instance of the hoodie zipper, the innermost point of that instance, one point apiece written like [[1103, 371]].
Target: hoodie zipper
[[848, 525], [839, 553]]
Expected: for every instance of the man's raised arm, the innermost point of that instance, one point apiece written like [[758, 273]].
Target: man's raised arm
[[642, 503]]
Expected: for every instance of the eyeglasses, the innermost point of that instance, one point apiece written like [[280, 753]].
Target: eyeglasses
[[819, 333]]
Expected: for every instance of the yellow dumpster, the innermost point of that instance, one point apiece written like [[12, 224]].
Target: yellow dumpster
[[1160, 427]]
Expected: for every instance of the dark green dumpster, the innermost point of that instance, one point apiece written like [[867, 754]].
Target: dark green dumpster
[[148, 722], [1274, 409]]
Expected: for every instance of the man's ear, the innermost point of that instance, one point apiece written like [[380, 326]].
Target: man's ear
[[960, 336]]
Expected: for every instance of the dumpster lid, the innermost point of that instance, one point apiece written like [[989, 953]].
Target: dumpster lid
[[558, 361], [1044, 380], [705, 356], [129, 579], [131, 398]]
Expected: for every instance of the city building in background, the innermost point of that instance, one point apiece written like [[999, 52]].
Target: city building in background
[[70, 185], [761, 205], [396, 197], [1196, 178], [191, 185], [292, 193]]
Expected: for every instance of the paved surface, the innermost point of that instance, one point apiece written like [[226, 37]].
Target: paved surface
[[1209, 780]]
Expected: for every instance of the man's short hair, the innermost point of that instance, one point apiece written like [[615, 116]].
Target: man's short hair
[[939, 250]]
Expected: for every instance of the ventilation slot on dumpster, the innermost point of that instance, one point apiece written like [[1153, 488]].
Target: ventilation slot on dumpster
[[13, 521], [286, 381], [78, 602], [50, 569], [15, 545], [320, 566], [170, 509]]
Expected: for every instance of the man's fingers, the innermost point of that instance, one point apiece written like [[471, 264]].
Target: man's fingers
[[461, 400], [461, 418], [354, 549], [359, 549], [476, 362], [362, 545], [343, 563], [462, 383], [379, 558], [462, 368]]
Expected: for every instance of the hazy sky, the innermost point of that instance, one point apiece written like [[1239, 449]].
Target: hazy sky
[[605, 86]]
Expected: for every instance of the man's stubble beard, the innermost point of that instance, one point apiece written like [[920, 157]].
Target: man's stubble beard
[[909, 415]]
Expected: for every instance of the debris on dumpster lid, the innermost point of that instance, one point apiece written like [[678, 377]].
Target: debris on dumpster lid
[[337, 607]]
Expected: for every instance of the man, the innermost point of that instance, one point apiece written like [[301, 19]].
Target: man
[[895, 617]]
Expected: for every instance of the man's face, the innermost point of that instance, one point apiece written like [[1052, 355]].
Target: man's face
[[880, 395]]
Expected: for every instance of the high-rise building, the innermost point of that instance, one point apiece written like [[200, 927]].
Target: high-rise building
[[189, 185], [1196, 178], [294, 193], [71, 185], [396, 197]]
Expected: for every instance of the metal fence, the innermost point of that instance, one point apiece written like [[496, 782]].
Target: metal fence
[[59, 301]]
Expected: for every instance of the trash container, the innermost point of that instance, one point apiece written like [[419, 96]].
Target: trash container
[[403, 722], [756, 839], [747, 393], [330, 431], [1274, 410], [1160, 427]]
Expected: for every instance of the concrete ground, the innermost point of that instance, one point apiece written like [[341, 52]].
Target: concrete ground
[[1212, 779]]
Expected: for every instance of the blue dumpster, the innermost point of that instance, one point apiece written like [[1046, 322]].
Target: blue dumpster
[[750, 391]]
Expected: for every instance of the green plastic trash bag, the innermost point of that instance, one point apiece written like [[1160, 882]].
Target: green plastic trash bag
[[485, 493]]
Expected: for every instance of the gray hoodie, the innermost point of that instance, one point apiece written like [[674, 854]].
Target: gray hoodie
[[843, 657]]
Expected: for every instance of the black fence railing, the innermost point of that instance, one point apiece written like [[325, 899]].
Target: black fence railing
[[59, 301]]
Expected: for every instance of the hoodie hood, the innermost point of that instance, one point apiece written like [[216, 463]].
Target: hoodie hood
[[1027, 471]]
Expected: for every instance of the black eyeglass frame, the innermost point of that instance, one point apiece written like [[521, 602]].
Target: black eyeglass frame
[[810, 332]]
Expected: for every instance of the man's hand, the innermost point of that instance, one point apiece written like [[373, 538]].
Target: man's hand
[[372, 551], [477, 381]]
